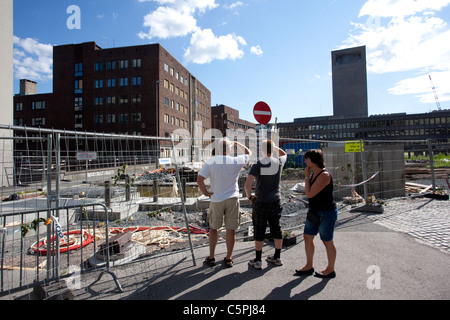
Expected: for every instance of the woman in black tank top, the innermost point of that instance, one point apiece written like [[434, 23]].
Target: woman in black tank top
[[319, 191]]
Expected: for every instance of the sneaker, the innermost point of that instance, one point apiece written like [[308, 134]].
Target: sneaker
[[255, 264], [277, 261]]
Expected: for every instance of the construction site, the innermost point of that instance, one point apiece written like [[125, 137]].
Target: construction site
[[67, 211]]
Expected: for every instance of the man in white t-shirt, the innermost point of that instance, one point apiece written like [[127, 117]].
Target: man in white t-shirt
[[223, 172]]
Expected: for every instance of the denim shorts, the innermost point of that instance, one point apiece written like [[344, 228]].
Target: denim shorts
[[326, 228]]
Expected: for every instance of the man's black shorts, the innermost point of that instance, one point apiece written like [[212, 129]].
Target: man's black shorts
[[263, 213]]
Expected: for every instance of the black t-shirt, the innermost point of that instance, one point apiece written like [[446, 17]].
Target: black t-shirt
[[268, 179], [323, 201]]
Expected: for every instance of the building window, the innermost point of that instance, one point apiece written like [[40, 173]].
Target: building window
[[18, 122], [78, 121], [123, 118], [166, 67], [36, 122], [98, 118], [166, 101], [111, 83], [137, 63], [111, 100], [99, 101], [78, 69], [123, 64], [99, 66], [111, 118], [137, 98], [98, 84], [123, 99], [123, 82], [19, 106], [78, 86], [38, 105], [136, 117], [78, 103], [111, 65], [137, 81], [166, 118]]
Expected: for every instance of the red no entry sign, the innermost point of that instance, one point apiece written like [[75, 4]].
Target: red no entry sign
[[262, 112]]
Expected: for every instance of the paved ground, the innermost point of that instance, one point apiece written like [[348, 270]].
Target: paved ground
[[400, 254]]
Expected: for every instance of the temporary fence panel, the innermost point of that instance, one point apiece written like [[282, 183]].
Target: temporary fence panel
[[144, 195]]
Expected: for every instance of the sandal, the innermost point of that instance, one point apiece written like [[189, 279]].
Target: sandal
[[228, 262], [210, 262]]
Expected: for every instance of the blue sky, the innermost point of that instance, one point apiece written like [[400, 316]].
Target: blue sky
[[245, 51]]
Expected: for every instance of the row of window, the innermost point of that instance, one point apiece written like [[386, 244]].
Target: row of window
[[123, 82], [35, 122], [174, 89], [370, 124], [111, 100], [35, 105], [176, 74], [122, 118], [110, 65], [373, 134], [176, 121]]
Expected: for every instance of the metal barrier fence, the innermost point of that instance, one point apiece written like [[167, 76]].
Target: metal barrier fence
[[30, 256], [148, 187], [136, 179]]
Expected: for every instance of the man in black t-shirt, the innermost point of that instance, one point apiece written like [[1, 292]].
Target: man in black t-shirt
[[267, 200]]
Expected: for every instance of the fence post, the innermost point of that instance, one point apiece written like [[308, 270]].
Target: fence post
[[430, 153], [155, 190], [364, 167], [127, 188], [49, 202], [182, 200], [108, 193], [183, 186]]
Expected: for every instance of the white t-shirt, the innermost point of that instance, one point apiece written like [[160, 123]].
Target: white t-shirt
[[223, 172]]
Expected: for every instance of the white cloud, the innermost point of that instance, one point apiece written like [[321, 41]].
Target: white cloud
[[402, 36], [421, 87], [177, 18], [187, 5], [174, 18], [400, 8], [32, 60], [206, 47], [410, 43], [234, 5], [167, 23], [256, 50]]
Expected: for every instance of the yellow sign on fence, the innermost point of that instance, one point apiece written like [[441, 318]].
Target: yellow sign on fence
[[354, 146]]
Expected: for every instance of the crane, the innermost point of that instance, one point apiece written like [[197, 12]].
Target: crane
[[435, 94]]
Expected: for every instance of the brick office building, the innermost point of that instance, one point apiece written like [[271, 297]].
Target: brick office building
[[225, 118], [138, 90]]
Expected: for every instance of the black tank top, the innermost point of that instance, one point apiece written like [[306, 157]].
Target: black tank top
[[323, 201]]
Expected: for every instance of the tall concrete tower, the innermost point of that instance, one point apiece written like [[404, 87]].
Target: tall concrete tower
[[350, 82]]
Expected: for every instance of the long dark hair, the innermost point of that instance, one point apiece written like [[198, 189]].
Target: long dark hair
[[316, 156]]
